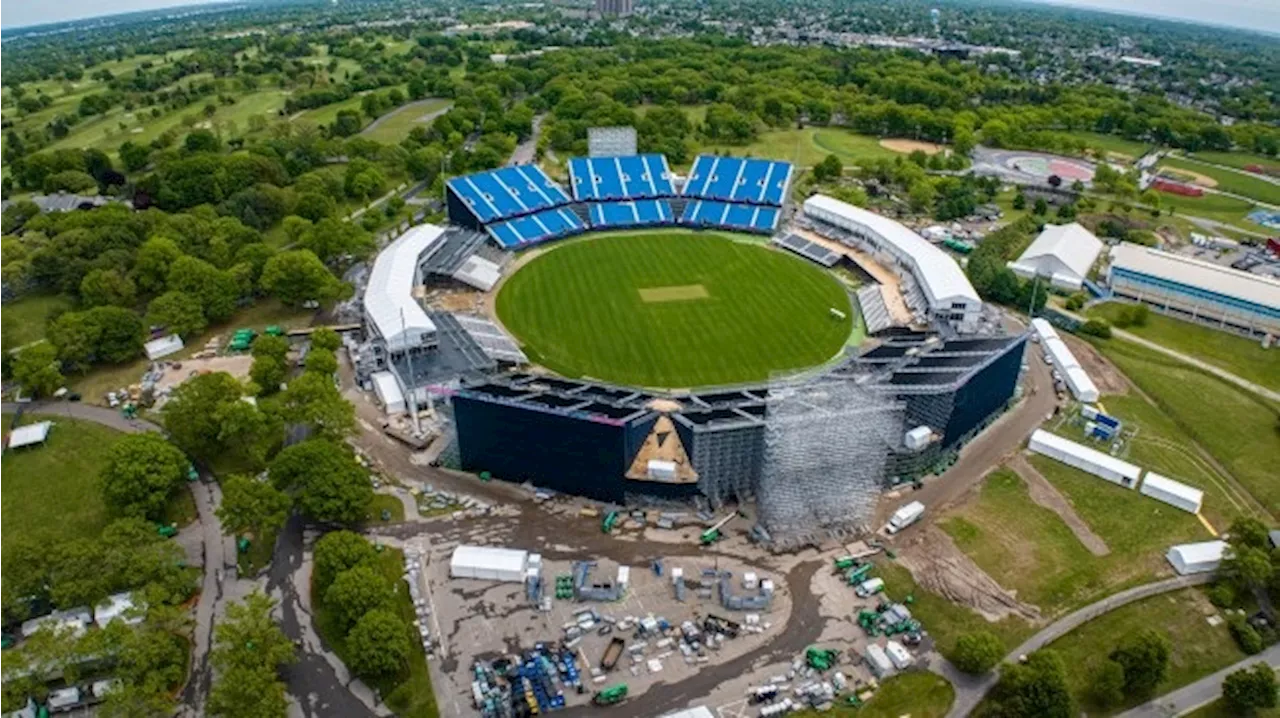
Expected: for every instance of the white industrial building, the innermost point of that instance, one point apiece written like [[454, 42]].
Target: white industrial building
[[486, 563], [392, 312], [389, 392], [1060, 356], [937, 286], [1085, 458], [73, 620], [1174, 493], [1197, 557], [1062, 253], [1194, 289]]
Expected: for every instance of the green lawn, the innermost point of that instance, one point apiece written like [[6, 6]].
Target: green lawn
[[1219, 709], [1236, 427], [918, 694], [326, 114], [409, 695], [674, 309], [1211, 206], [697, 114], [1111, 143], [384, 502], [25, 319], [1246, 358], [1239, 160], [809, 146], [51, 491], [401, 121], [1230, 181], [944, 620], [1131, 524], [1028, 548], [1198, 648]]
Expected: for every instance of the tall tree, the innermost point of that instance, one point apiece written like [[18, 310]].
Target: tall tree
[[326, 479], [252, 507], [140, 475], [379, 644], [1144, 656], [37, 369], [336, 552], [355, 592]]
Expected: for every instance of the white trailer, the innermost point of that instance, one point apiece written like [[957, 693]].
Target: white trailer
[[904, 517], [1174, 493], [1085, 458]]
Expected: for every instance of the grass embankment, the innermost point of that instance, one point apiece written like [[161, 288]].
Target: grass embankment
[[1246, 358], [409, 694], [944, 620], [809, 146], [712, 310], [1228, 180], [395, 125], [1198, 648], [1220, 709], [1239, 160], [1237, 428], [917, 694]]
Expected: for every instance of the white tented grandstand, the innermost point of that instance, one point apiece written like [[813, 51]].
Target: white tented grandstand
[[875, 311], [934, 286], [389, 306]]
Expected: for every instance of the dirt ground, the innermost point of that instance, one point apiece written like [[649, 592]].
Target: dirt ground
[[909, 146], [237, 366], [1047, 495], [456, 300], [886, 279], [1105, 376], [940, 567], [1189, 175]]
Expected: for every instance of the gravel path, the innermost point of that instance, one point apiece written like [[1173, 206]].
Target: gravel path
[[1047, 495]]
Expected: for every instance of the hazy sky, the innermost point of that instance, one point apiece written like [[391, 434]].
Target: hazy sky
[[1255, 14]]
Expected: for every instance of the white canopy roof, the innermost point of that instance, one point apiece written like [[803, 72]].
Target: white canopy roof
[[939, 275], [1075, 247], [163, 347], [479, 273], [1093, 456], [30, 434], [388, 298], [1203, 552], [1197, 273]]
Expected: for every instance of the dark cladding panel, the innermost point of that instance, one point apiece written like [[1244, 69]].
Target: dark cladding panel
[[459, 212], [985, 392], [568, 454]]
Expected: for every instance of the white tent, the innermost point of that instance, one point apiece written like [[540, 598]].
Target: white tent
[[1062, 253], [1174, 493], [388, 390], [488, 564], [479, 273], [1084, 458], [389, 305], [30, 434], [1197, 557], [117, 606], [163, 347], [696, 712], [898, 654]]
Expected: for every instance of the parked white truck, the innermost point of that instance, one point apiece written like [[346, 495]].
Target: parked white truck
[[904, 517]]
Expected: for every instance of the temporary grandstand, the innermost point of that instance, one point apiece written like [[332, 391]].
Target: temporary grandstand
[[395, 317], [1197, 290], [935, 287], [813, 451], [809, 250], [520, 206]]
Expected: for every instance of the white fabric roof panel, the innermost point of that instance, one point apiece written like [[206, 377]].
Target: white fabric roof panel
[[1075, 247], [387, 387], [30, 434], [1174, 493], [1197, 557], [1085, 458], [1044, 329], [942, 279], [1247, 286], [488, 563], [388, 298], [479, 273], [698, 712], [163, 347]]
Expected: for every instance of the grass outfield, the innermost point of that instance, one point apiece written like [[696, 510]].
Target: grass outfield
[[1230, 181], [578, 310], [51, 491], [1243, 357]]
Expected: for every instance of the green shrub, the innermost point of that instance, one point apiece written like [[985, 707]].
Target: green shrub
[[1096, 328], [1247, 638], [1223, 595]]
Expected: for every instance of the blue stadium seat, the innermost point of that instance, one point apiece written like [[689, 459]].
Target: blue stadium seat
[[504, 235], [739, 215], [649, 211], [659, 174], [766, 219], [580, 179], [507, 192], [734, 179], [608, 180], [699, 175], [635, 177], [750, 186], [724, 178]]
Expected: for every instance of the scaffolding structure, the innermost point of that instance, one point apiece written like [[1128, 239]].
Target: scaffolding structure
[[826, 455]]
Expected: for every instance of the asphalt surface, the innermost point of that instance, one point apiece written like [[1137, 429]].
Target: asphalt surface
[[86, 412]]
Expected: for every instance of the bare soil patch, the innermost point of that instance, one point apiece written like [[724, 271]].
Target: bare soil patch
[[237, 366], [906, 147], [1045, 494], [1185, 175], [682, 293], [1104, 374], [938, 566]]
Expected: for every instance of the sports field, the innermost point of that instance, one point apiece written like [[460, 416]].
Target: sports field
[[674, 309]]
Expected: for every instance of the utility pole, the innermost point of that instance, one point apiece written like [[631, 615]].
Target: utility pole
[[409, 385]]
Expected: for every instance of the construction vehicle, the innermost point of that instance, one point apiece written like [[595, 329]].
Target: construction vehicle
[[904, 517], [192, 474], [846, 562], [711, 535], [612, 653], [168, 530], [275, 330], [821, 659], [611, 695], [859, 574], [610, 520]]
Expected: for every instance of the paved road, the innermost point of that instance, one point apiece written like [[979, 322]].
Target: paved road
[[1207, 689], [86, 412], [526, 151], [970, 692], [219, 569]]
